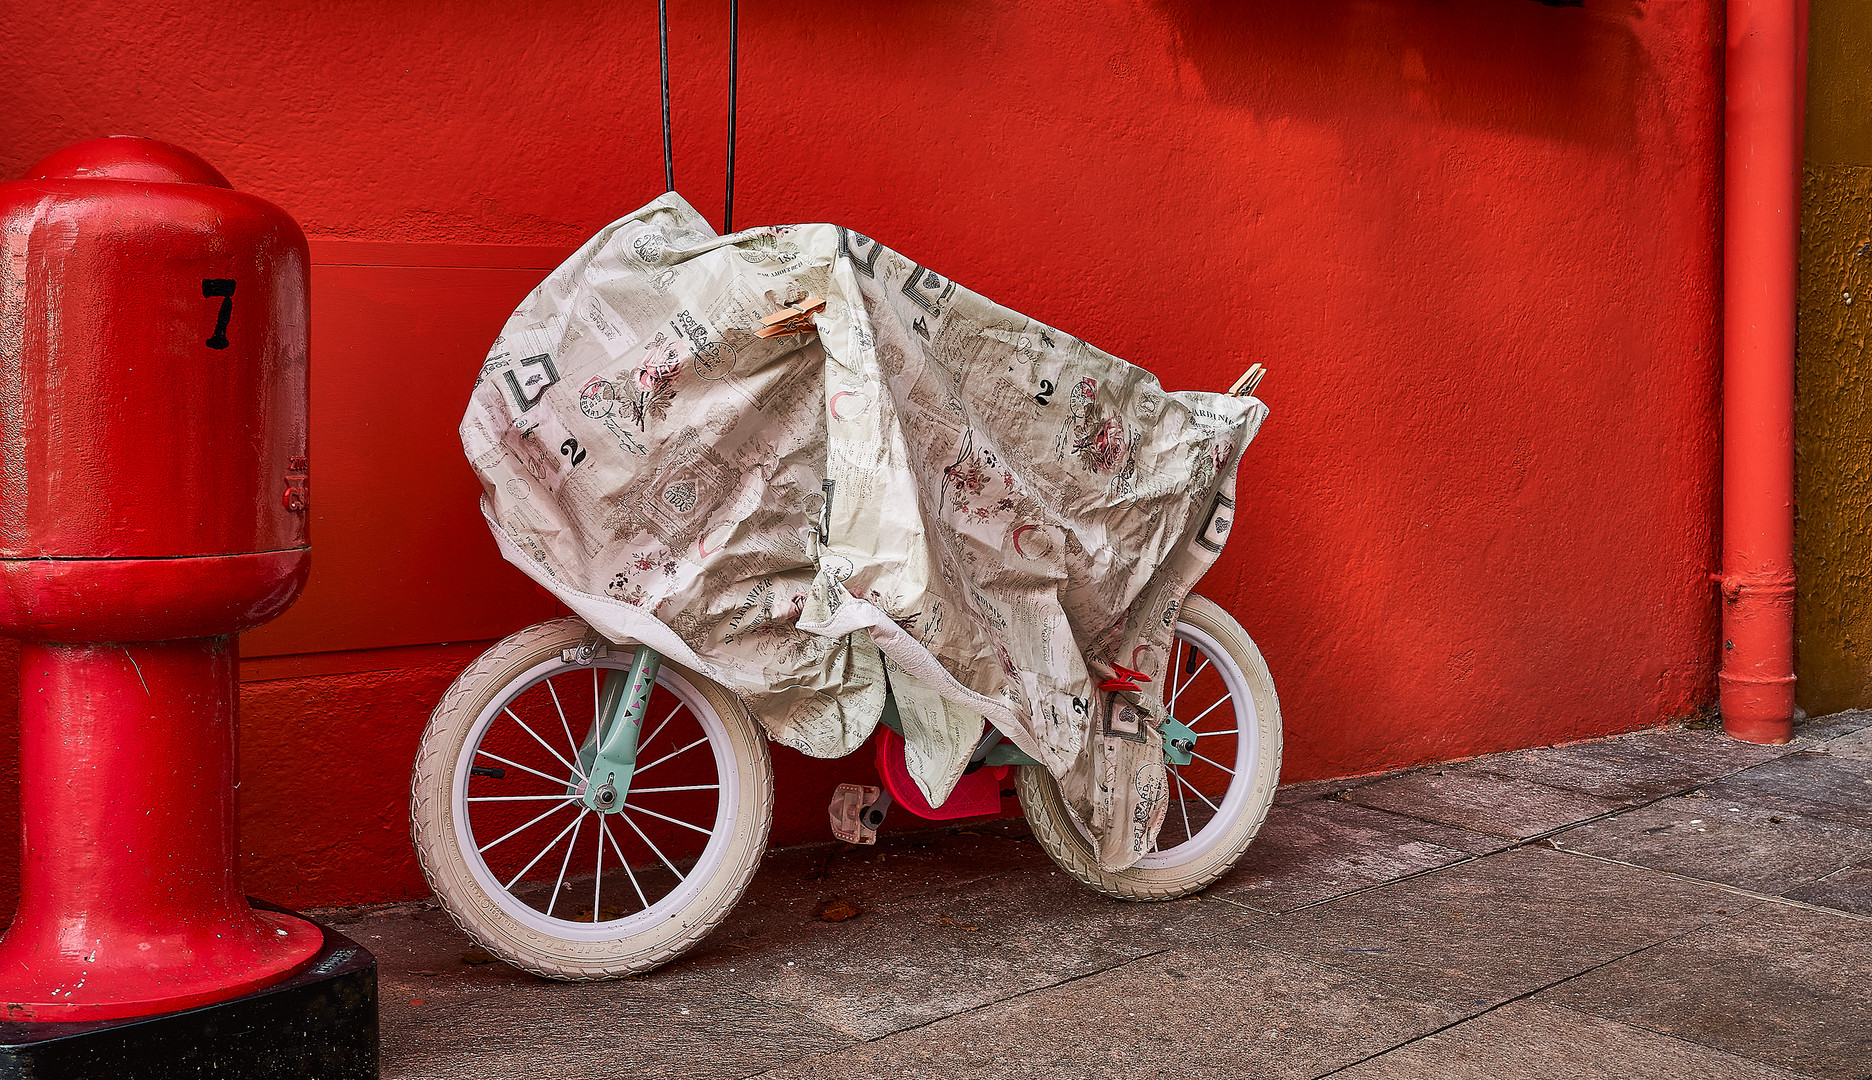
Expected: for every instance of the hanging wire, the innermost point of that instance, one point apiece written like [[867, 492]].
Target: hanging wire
[[734, 42], [669, 165]]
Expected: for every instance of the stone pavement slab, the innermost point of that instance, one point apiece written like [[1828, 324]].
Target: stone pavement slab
[[1777, 984], [1526, 1041], [1816, 785], [793, 883], [902, 963], [1318, 789], [1855, 746], [1469, 798], [1395, 926], [1387, 823], [1822, 728], [1483, 932], [1313, 851], [1847, 890], [443, 1018], [1203, 1012], [1715, 839], [1632, 768]]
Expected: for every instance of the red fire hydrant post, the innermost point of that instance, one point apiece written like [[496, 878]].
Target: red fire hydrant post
[[153, 498]]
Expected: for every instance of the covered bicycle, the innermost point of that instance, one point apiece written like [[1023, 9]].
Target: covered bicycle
[[797, 487]]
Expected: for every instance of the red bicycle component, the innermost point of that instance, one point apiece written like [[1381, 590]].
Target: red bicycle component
[[977, 794], [1124, 679]]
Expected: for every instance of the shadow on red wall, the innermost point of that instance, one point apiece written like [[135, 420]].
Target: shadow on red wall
[[1571, 74]]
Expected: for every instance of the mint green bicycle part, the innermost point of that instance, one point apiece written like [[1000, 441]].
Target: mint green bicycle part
[[612, 760]]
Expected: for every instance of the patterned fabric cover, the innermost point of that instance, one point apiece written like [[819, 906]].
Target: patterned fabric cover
[[931, 490]]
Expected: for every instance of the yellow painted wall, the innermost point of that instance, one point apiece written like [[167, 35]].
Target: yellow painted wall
[[1833, 407]]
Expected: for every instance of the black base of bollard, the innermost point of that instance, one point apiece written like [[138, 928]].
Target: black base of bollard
[[320, 1024]]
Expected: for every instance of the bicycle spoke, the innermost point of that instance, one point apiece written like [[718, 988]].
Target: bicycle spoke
[[1196, 791], [577, 824], [518, 798], [598, 872], [1217, 764], [524, 726], [1191, 679], [659, 728], [555, 843], [690, 787], [671, 820], [550, 812], [1188, 833], [557, 780], [1206, 712], [641, 769], [567, 728], [654, 848], [606, 828], [1176, 675]]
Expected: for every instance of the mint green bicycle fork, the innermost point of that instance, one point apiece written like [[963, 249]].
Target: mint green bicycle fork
[[608, 755]]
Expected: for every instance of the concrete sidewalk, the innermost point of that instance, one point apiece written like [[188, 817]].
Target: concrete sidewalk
[[1664, 904]]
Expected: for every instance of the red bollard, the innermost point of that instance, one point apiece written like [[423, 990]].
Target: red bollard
[[153, 401]]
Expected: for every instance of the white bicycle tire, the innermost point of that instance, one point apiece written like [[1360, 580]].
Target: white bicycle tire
[[498, 917]]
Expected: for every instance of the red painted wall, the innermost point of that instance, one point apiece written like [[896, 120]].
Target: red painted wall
[[1474, 240]]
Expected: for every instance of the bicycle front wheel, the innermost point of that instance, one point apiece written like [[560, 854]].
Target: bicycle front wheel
[[546, 884]]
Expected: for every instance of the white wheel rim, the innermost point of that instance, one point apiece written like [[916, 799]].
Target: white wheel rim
[[660, 911], [1234, 802]]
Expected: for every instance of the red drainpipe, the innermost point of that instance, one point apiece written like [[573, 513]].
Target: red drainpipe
[[1761, 225]]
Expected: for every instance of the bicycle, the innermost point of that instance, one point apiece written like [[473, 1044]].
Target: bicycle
[[585, 808], [684, 851]]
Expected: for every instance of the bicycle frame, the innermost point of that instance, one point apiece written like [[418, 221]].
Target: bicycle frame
[[609, 753]]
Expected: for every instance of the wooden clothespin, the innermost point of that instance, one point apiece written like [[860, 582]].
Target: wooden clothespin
[[1250, 379], [795, 318]]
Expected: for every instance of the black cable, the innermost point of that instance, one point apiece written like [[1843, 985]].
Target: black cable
[[669, 165], [734, 41]]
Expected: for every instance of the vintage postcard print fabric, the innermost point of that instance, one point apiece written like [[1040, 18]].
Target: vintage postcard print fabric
[[933, 493]]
